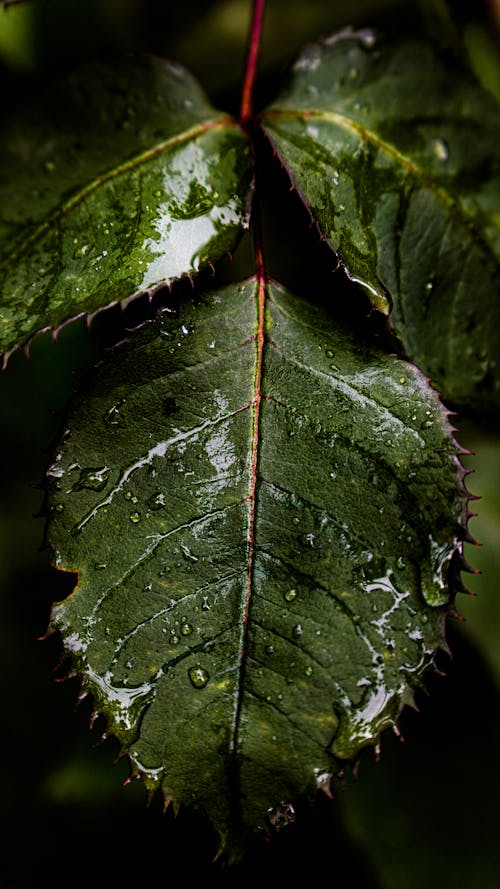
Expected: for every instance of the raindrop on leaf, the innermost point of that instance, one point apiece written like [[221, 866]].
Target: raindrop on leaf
[[198, 676]]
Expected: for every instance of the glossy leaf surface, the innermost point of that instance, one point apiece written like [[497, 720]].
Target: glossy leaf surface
[[262, 514], [395, 151], [120, 179]]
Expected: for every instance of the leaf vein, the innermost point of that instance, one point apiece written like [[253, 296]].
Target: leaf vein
[[294, 725], [157, 450], [175, 604], [158, 539], [366, 135], [348, 389]]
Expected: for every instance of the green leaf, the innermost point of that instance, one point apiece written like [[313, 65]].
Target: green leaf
[[395, 150], [121, 178], [263, 515]]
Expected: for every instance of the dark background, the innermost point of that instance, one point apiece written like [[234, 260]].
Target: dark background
[[429, 811]]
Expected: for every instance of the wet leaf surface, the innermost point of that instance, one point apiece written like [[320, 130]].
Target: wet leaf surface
[[263, 514], [395, 151], [121, 178]]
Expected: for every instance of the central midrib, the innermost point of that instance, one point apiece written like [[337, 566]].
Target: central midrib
[[254, 455]]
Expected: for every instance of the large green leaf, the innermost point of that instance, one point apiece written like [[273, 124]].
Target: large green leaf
[[263, 515], [120, 178], [395, 151]]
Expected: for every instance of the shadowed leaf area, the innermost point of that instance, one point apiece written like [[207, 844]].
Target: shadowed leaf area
[[266, 518]]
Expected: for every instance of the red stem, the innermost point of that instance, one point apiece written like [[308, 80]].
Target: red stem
[[251, 66]]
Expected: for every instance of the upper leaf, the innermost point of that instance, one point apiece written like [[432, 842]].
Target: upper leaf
[[121, 178], [262, 514], [396, 153]]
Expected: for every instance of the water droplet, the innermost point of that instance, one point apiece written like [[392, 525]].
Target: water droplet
[[270, 649], [440, 149], [329, 353], [367, 38], [297, 631], [400, 562], [296, 520], [157, 500], [186, 629], [313, 131], [308, 671], [112, 416], [59, 507], [135, 517], [290, 595], [93, 479], [186, 552], [174, 639], [402, 380], [281, 816], [198, 676]]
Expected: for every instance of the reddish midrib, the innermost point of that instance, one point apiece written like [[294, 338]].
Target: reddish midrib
[[261, 299]]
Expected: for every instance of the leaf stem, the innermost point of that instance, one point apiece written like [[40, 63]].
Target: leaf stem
[[251, 65]]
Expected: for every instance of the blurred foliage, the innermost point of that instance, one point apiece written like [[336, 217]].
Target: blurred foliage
[[428, 811], [483, 612]]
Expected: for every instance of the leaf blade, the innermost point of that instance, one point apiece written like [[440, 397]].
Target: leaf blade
[[124, 179], [381, 149], [241, 703]]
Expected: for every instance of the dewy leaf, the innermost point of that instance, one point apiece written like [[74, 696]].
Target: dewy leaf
[[263, 514], [121, 179], [395, 151]]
